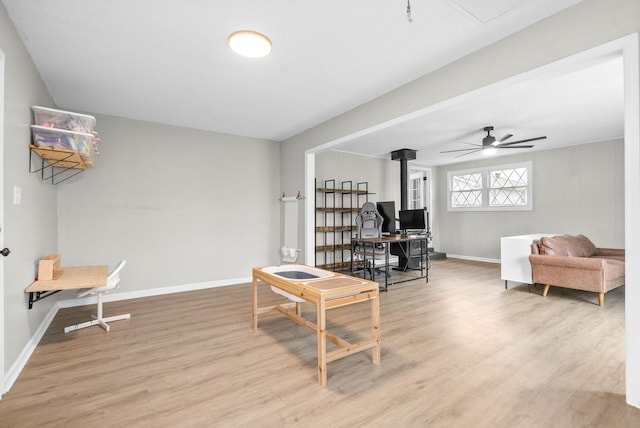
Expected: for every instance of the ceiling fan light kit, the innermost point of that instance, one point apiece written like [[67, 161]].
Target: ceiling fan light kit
[[490, 144]]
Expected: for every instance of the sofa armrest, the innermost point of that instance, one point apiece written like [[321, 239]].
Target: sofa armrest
[[615, 252]]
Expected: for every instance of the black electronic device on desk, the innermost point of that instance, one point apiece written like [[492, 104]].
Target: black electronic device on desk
[[387, 210], [412, 222]]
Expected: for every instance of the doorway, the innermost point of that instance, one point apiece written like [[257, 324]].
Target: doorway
[[628, 47], [419, 188]]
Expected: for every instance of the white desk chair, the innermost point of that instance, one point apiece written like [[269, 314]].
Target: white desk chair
[[112, 282]]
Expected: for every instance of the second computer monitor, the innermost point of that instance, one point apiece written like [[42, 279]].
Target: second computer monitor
[[413, 220], [387, 210]]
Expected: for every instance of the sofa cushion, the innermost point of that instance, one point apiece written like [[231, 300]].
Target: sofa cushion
[[567, 245], [588, 248]]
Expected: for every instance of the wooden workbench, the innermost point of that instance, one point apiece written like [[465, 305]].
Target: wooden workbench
[[325, 293]]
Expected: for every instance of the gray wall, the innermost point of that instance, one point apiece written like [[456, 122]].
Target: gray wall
[[182, 206], [30, 228], [382, 175], [577, 189]]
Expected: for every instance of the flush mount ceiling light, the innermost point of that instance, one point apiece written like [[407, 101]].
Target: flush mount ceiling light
[[250, 44]]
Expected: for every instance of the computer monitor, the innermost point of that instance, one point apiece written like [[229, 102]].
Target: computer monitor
[[414, 220], [387, 210]]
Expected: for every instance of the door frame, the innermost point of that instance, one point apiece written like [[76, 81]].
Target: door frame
[[2, 311]]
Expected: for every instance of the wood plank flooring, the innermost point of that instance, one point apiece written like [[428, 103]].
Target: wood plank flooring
[[460, 351]]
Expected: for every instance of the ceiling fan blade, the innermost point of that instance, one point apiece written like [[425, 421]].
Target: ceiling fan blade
[[476, 147], [514, 147], [505, 138], [458, 150], [522, 141], [464, 154]]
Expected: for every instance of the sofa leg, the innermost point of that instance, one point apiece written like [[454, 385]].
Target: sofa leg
[[600, 299], [546, 290]]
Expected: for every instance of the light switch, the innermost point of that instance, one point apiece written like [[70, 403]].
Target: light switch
[[17, 195]]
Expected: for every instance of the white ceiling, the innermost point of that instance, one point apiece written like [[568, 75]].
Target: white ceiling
[[168, 62], [579, 106]]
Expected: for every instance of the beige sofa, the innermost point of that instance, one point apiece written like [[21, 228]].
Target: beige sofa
[[575, 262]]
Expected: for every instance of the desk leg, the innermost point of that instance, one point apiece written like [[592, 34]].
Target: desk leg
[[386, 266], [255, 304], [322, 343], [427, 267], [375, 328], [353, 252]]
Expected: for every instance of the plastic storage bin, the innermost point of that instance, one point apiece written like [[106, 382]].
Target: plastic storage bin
[[60, 119], [85, 144]]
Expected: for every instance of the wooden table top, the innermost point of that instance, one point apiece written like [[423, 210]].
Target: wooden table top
[[70, 278], [312, 289]]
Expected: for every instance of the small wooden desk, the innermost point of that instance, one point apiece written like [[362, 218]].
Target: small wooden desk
[[325, 293], [68, 278]]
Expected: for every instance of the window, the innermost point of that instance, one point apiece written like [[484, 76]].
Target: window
[[502, 187], [466, 190]]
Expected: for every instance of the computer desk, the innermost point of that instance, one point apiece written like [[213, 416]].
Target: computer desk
[[68, 278], [386, 242]]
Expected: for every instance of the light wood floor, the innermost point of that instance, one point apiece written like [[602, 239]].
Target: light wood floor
[[460, 351]]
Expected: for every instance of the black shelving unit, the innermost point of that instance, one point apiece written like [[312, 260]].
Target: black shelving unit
[[336, 211]]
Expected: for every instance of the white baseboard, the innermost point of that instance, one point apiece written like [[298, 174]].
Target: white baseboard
[[127, 295], [16, 368], [475, 259]]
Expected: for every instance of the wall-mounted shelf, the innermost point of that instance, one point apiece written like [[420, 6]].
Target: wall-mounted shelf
[[65, 142], [57, 164]]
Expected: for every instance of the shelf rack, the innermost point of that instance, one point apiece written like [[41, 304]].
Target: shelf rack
[[56, 163], [336, 210]]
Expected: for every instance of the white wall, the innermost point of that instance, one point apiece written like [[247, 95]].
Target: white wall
[[182, 206]]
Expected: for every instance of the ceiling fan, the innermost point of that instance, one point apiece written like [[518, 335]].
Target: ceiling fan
[[490, 144]]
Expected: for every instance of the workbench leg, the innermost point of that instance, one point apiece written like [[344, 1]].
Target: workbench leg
[[255, 304], [322, 343], [375, 329]]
